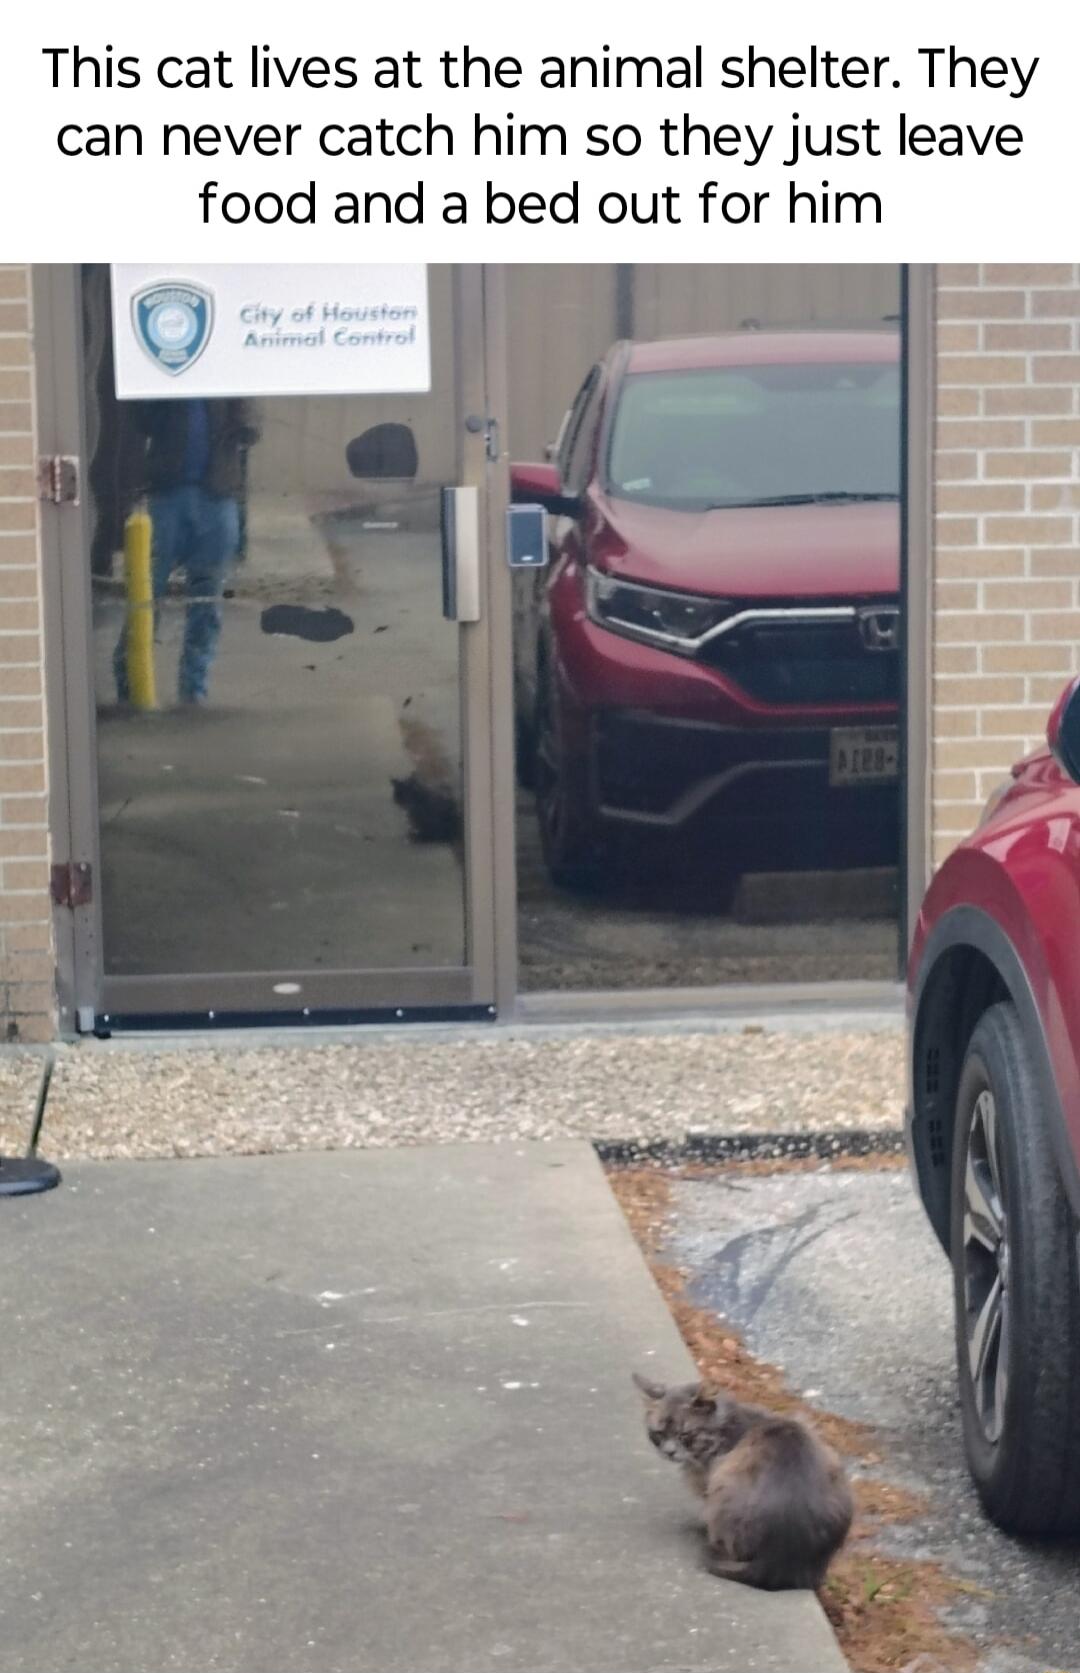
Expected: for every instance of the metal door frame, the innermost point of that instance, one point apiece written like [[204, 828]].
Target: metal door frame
[[91, 1001]]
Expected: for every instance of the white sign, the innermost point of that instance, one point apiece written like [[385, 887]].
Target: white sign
[[187, 329]]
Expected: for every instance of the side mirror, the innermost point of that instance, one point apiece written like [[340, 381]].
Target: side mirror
[[540, 485], [386, 450], [1063, 730]]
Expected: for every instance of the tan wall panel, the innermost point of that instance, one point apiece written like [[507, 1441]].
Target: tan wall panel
[[698, 298], [561, 318], [302, 450]]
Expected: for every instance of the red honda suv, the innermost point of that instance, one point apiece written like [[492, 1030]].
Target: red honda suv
[[994, 1127], [713, 649]]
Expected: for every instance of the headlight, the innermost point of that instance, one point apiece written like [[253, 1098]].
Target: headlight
[[676, 621]]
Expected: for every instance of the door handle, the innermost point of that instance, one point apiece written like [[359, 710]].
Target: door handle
[[460, 527]]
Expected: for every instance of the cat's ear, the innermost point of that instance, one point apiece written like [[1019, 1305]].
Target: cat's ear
[[704, 1400], [651, 1390]]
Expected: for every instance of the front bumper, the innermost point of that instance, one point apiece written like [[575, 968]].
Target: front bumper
[[669, 774]]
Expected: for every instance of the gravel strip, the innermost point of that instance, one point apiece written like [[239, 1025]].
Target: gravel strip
[[824, 1144], [20, 1077], [109, 1102]]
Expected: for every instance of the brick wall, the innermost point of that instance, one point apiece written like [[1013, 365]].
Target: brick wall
[[1007, 498], [26, 958]]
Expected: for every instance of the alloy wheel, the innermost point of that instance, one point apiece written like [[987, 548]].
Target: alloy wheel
[[986, 1262]]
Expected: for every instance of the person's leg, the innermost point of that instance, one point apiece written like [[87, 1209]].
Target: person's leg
[[212, 551], [167, 525]]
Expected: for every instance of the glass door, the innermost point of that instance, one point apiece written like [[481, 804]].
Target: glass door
[[289, 670]]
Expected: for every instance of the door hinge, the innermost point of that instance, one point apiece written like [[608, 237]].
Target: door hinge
[[58, 479], [72, 884]]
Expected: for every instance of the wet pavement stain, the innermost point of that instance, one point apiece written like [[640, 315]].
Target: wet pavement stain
[[738, 1278], [299, 621]]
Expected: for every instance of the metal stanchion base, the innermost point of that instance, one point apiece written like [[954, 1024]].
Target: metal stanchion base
[[21, 1176]]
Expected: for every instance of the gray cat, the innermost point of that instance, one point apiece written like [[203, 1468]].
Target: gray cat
[[778, 1506], [433, 814]]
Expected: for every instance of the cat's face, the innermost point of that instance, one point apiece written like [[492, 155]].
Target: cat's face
[[680, 1421]]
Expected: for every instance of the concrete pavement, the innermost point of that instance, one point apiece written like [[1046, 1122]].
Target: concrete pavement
[[339, 1413]]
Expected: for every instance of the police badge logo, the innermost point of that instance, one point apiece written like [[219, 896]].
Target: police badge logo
[[173, 322]]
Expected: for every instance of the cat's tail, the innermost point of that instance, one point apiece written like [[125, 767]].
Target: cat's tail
[[727, 1568], [760, 1573]]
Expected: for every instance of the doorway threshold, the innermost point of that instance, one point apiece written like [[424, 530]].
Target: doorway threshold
[[822, 1001], [832, 1007]]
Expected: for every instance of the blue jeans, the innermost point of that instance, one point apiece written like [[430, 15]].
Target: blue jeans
[[200, 533]]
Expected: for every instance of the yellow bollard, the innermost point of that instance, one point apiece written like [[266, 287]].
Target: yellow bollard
[[139, 582]]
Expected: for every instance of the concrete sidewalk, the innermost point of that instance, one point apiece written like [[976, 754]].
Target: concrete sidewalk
[[332, 1413]]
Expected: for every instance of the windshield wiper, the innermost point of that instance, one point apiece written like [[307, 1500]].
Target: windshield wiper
[[840, 496]]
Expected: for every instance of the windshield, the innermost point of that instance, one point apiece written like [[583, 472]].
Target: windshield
[[757, 435]]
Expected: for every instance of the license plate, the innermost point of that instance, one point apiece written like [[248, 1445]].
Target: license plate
[[863, 755]]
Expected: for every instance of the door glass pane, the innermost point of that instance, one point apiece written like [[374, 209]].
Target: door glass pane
[[707, 675], [289, 796]]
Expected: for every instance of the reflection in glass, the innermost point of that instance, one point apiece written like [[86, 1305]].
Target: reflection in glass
[[294, 803], [775, 434], [193, 470], [707, 674]]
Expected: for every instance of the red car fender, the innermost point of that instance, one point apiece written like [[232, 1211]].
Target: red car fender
[[1012, 894]]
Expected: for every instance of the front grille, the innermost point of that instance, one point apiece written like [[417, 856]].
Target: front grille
[[778, 661]]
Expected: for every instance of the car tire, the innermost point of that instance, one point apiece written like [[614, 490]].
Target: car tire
[[568, 838], [1016, 1290], [524, 753]]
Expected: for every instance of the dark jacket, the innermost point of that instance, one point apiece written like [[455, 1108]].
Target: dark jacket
[[234, 426]]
